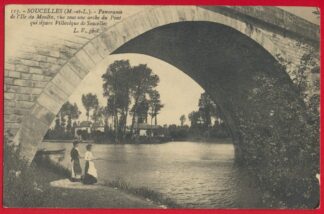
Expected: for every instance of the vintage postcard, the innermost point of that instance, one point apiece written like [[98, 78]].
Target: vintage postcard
[[116, 106]]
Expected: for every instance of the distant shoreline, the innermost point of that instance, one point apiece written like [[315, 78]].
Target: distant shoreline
[[214, 141]]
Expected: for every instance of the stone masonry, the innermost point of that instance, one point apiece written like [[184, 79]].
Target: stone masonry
[[40, 80]]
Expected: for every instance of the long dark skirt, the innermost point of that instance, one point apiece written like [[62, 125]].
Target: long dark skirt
[[88, 179], [76, 170]]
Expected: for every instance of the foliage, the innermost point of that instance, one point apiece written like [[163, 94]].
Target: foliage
[[90, 102], [125, 85], [182, 119], [155, 105], [20, 186], [144, 83], [283, 149]]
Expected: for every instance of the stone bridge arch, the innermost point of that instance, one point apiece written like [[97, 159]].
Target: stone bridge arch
[[40, 81], [37, 112]]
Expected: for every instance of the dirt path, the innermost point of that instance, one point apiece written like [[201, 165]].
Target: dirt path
[[77, 195]]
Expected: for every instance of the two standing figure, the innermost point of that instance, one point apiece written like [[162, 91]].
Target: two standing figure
[[90, 172]]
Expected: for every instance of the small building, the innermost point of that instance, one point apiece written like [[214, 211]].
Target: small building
[[83, 126], [144, 129], [98, 126]]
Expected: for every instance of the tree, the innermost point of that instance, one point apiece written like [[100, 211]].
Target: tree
[[118, 84], [124, 85], [141, 110], [182, 120], [155, 105], [207, 108], [98, 114], [71, 111], [195, 119], [144, 82], [89, 101]]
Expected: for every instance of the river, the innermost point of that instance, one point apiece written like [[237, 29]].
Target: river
[[194, 175]]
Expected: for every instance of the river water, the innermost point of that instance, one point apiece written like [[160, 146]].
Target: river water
[[194, 175]]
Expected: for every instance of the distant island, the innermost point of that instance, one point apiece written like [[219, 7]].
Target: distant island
[[131, 113]]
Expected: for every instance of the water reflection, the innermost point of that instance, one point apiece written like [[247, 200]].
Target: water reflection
[[195, 175]]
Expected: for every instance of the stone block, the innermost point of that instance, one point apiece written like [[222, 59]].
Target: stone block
[[85, 59], [9, 66], [14, 74], [37, 77], [39, 58], [9, 103], [25, 76], [30, 63], [56, 92], [100, 47], [36, 91], [22, 68], [12, 125], [109, 39], [8, 80], [12, 88], [93, 53], [45, 65], [47, 78], [77, 67], [54, 68], [35, 70], [64, 84], [43, 114], [52, 60], [8, 110], [24, 104], [39, 84], [50, 103], [70, 75], [21, 112], [23, 97], [6, 73], [9, 96], [20, 82]]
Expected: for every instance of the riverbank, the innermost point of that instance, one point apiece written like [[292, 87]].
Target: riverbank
[[104, 194], [98, 197]]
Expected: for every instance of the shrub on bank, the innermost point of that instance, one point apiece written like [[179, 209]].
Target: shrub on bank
[[20, 186]]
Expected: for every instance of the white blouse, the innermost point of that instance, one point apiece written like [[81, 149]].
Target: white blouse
[[88, 156]]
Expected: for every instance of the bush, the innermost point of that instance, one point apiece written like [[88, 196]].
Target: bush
[[20, 186]]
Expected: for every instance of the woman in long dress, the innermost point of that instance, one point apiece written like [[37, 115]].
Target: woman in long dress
[[76, 170], [90, 172]]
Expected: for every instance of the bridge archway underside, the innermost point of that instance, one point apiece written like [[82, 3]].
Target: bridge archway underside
[[246, 70]]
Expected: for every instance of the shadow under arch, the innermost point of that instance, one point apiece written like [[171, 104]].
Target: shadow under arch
[[226, 63], [260, 104]]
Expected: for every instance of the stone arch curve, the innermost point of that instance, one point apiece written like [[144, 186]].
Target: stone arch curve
[[35, 123]]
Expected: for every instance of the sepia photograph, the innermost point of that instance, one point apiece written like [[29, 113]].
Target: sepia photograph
[[163, 107]]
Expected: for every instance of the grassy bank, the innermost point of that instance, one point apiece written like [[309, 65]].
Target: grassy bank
[[51, 170]]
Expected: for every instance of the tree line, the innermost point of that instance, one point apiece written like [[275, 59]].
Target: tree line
[[206, 123], [130, 91]]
